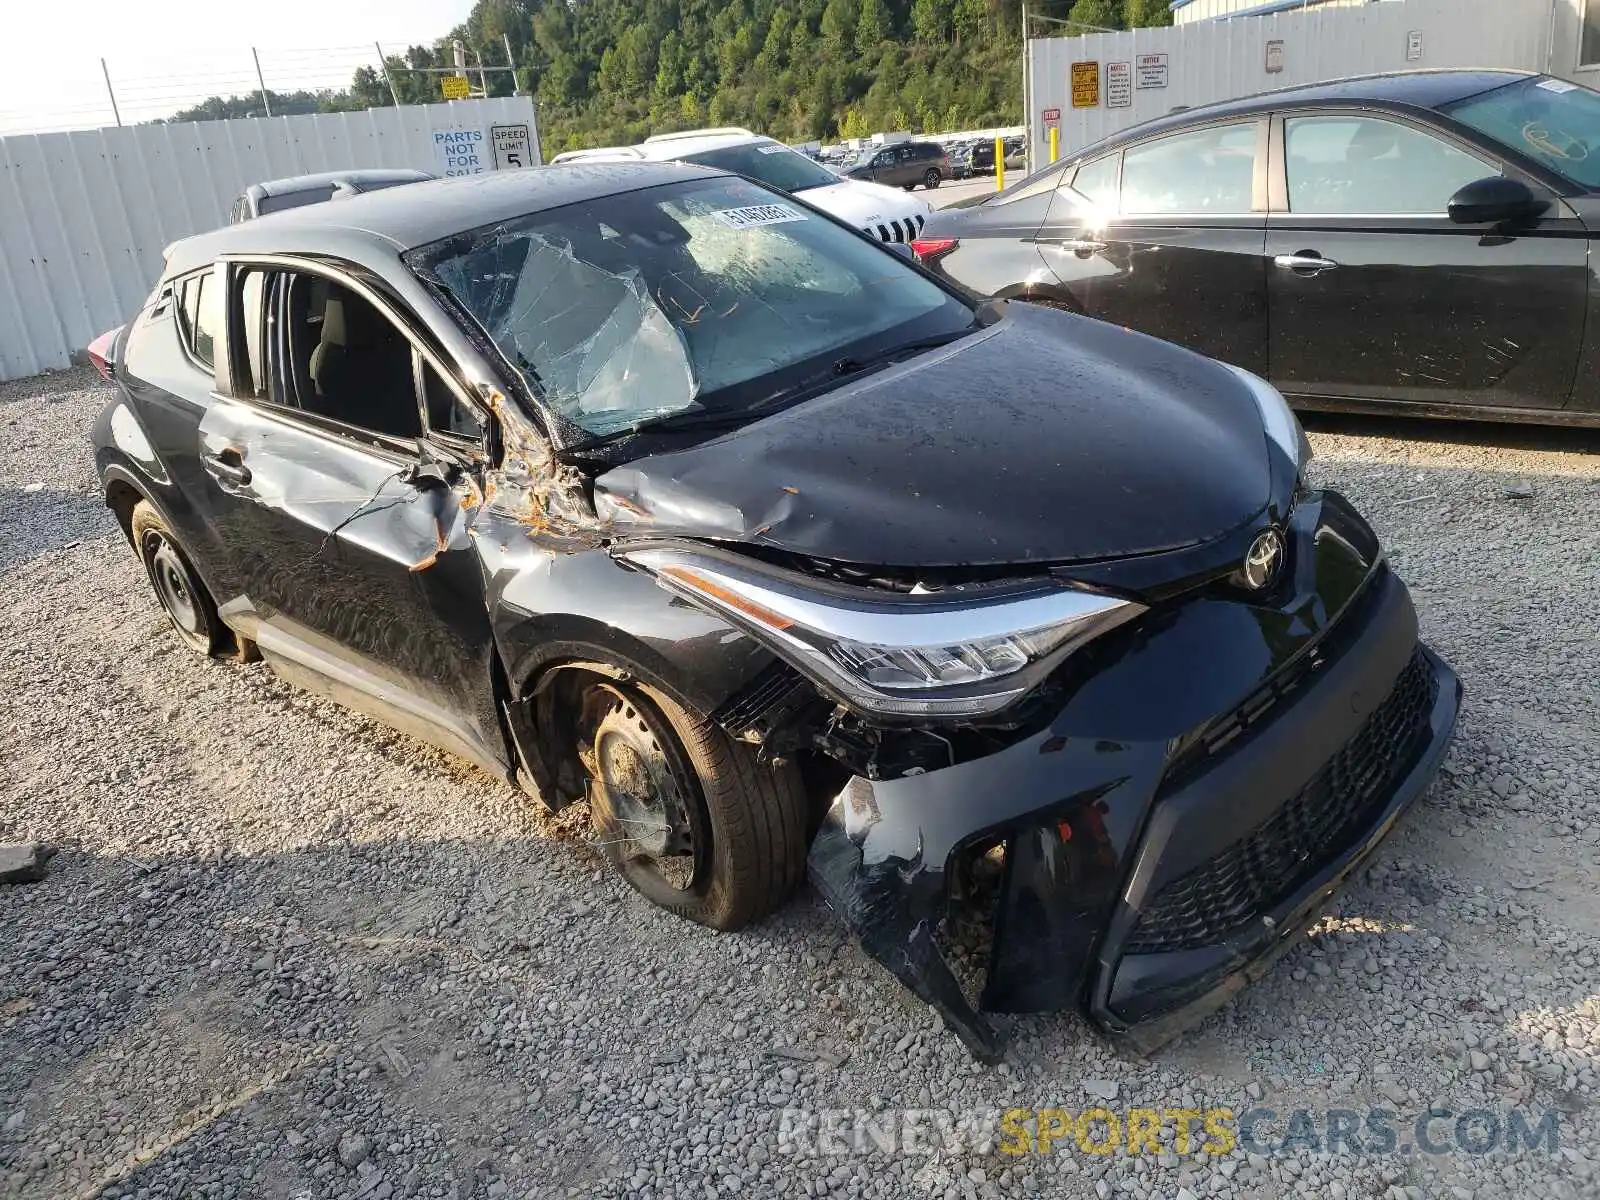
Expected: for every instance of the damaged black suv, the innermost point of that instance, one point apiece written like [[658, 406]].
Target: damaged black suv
[[645, 485]]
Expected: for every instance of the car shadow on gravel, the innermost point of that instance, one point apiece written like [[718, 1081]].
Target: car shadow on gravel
[[41, 520]]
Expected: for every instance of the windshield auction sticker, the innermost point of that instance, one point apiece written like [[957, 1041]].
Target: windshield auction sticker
[[759, 214]]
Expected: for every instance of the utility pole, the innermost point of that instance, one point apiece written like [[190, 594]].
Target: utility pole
[[106, 71], [383, 62], [516, 88], [262, 80]]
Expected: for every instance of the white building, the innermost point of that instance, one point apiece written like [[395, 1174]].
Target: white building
[[1572, 26]]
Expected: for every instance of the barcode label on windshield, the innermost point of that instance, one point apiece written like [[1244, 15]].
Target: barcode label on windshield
[[1560, 86], [772, 149], [759, 214]]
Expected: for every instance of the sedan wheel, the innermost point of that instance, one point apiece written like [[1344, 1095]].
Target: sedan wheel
[[687, 816]]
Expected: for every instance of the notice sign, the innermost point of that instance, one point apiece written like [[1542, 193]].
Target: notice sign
[[510, 143], [1085, 84], [455, 87], [1152, 70], [460, 151], [1414, 45], [1119, 85], [1051, 116], [1274, 56]]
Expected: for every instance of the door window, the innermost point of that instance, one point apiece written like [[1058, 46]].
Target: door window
[[1342, 166], [1203, 171], [314, 345], [446, 413], [200, 314], [1096, 182]]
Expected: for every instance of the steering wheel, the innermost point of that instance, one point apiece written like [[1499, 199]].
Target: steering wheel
[[1554, 143]]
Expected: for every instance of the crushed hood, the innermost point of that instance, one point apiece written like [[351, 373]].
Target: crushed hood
[[1046, 438]]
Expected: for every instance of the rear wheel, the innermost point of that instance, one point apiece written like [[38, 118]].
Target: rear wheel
[[179, 589], [688, 816], [931, 179]]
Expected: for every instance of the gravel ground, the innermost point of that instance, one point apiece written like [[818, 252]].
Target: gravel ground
[[284, 952]]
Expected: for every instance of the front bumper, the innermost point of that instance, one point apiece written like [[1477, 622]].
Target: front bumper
[[1204, 790]]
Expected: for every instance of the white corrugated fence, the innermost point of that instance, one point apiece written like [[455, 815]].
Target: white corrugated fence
[[1145, 73], [85, 216]]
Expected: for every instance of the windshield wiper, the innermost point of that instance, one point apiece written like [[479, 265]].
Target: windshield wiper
[[854, 366]]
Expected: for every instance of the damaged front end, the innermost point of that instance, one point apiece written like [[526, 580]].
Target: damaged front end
[[1168, 803]]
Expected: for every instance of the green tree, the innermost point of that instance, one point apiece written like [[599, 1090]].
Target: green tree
[[1104, 14], [872, 26], [930, 20]]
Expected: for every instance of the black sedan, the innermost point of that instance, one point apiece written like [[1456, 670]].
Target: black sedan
[[646, 486], [1417, 242]]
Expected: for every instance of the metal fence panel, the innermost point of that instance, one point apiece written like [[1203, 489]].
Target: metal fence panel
[[1208, 61], [85, 216]]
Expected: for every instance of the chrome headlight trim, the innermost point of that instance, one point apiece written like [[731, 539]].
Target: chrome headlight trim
[[866, 648]]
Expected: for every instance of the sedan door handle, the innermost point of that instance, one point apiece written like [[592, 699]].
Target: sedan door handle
[[1306, 261], [228, 468], [1081, 245]]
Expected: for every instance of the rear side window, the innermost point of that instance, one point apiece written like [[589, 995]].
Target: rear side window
[[1203, 171], [199, 316], [1096, 182]]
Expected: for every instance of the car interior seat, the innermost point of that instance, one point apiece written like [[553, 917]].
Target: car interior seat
[[361, 369]]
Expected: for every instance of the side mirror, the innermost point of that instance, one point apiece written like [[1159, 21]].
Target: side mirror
[[903, 249], [1494, 200]]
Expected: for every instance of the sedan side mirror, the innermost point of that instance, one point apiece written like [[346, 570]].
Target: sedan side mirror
[[1494, 200]]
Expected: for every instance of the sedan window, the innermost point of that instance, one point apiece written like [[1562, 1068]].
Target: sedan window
[[773, 163], [1096, 182], [715, 294], [1203, 171], [1344, 166]]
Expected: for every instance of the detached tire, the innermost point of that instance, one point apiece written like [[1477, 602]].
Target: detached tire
[[179, 589], [687, 815]]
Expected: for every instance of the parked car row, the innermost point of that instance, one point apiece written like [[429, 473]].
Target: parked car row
[[1419, 243], [649, 484]]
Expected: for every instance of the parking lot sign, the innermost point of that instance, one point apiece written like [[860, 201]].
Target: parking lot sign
[[1085, 84], [455, 87], [1119, 85]]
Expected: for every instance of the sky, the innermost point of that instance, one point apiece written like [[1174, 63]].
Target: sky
[[164, 55]]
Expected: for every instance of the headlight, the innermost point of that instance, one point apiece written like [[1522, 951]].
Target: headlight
[[1282, 426], [956, 653]]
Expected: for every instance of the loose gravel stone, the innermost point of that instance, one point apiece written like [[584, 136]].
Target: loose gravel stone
[[284, 951]]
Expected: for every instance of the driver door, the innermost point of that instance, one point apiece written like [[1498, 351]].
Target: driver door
[[1374, 294], [342, 480]]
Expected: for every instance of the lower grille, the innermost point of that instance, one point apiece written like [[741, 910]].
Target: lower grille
[[1313, 827]]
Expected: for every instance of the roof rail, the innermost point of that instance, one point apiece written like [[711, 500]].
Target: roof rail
[[725, 130]]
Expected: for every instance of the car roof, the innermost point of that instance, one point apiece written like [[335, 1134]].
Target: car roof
[[302, 183], [677, 147], [1399, 89], [384, 223]]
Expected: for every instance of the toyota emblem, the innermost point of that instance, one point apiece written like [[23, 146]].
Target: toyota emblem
[[1262, 560]]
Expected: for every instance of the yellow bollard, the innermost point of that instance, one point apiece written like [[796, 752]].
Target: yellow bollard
[[999, 164], [1055, 142]]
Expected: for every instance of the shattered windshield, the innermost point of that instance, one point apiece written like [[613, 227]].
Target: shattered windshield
[[773, 163], [710, 294], [1551, 120]]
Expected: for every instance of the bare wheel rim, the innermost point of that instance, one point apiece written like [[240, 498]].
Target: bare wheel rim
[[643, 802], [170, 578]]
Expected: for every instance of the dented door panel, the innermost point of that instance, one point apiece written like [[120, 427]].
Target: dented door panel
[[349, 547]]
